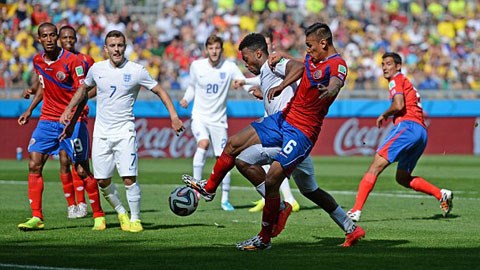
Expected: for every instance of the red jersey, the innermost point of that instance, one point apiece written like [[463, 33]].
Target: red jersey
[[59, 79], [88, 62], [305, 110], [412, 111]]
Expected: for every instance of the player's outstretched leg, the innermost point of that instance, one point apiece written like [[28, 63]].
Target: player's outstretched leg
[[446, 202], [198, 186], [254, 243], [353, 237]]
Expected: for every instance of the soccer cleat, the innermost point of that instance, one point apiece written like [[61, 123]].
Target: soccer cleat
[[82, 210], [295, 206], [124, 222], [258, 206], [353, 237], [446, 202], [354, 215], [227, 206], [72, 211], [100, 224], [282, 220], [136, 226], [198, 186], [254, 243], [32, 224]]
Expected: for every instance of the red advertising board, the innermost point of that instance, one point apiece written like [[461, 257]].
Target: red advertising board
[[339, 136]]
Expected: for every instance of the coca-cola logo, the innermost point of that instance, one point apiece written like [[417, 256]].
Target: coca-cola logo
[[163, 142], [351, 139]]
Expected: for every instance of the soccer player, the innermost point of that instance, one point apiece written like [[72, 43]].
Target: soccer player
[[118, 82], [73, 185], [255, 54], [210, 80], [60, 73], [285, 186], [295, 130], [405, 143]]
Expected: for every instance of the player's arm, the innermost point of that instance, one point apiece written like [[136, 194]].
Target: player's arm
[[398, 103], [33, 89], [79, 97], [23, 119], [334, 86], [293, 73], [177, 124], [188, 97], [92, 93]]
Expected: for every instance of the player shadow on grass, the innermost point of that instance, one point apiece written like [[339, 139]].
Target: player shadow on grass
[[434, 217]]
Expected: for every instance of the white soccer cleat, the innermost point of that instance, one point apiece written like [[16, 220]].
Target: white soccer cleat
[[354, 215], [446, 202], [72, 211], [82, 210]]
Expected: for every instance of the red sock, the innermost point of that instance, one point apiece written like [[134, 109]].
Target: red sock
[[35, 190], [422, 185], [79, 186], [68, 189], [364, 188], [269, 215], [223, 165], [92, 190]]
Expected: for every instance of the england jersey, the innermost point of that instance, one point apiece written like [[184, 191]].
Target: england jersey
[[117, 90], [412, 111], [306, 111], [270, 78], [210, 87], [59, 80]]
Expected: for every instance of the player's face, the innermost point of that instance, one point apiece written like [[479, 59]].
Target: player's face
[[251, 60], [389, 67], [115, 48], [214, 52], [316, 48], [67, 39], [48, 38]]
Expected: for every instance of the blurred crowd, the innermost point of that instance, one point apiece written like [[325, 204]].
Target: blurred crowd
[[438, 40]]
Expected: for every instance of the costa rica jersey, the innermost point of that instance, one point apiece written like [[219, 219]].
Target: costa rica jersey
[[306, 111], [412, 111], [59, 80]]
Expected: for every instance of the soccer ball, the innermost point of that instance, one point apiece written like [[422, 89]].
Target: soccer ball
[[183, 201]]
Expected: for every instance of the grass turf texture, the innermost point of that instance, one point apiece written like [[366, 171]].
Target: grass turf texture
[[405, 229]]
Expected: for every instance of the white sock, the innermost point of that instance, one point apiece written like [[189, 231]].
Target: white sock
[[199, 162], [226, 187], [110, 194], [287, 192], [133, 197], [261, 189], [339, 216]]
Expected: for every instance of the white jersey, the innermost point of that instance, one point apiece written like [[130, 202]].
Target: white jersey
[[270, 78], [117, 90], [209, 89]]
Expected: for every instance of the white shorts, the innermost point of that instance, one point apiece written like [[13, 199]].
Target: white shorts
[[304, 173], [108, 153], [216, 135]]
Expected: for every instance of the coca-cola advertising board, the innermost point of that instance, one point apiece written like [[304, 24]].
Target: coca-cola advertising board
[[339, 136]]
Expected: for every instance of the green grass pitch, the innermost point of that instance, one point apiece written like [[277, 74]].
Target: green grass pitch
[[405, 229]]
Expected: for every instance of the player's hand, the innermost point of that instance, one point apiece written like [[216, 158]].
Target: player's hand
[[256, 92], [178, 126], [237, 84], [380, 120], [27, 93], [23, 119], [67, 131], [273, 92], [274, 58], [324, 92], [65, 118], [183, 103]]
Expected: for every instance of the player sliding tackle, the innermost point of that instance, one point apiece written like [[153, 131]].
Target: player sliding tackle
[[295, 130]]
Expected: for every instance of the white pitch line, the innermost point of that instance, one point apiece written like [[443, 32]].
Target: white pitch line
[[21, 266], [398, 194]]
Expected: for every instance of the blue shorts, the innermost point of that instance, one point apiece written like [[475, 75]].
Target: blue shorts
[[405, 144], [45, 140], [274, 131]]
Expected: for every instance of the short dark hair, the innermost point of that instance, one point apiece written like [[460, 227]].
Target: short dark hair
[[321, 30], [115, 33], [254, 41], [214, 39], [68, 27], [396, 57], [46, 24]]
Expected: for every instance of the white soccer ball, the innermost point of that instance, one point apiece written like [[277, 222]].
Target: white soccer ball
[[183, 201]]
